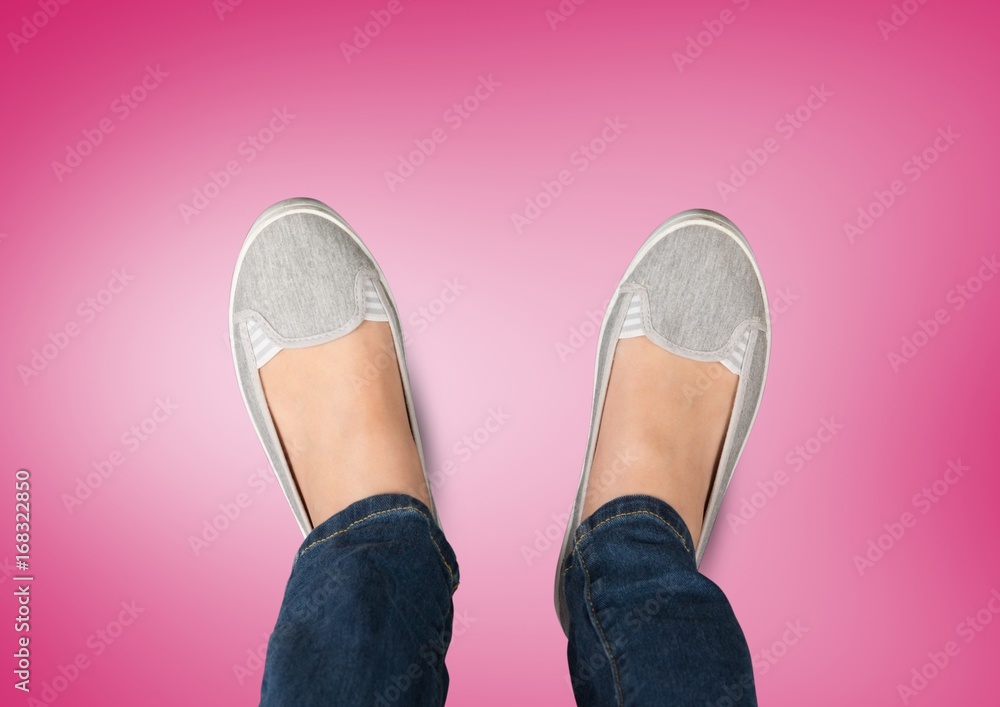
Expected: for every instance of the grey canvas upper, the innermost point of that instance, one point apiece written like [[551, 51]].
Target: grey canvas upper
[[300, 277], [701, 291]]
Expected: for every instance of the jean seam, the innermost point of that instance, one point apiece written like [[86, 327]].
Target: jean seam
[[437, 547], [576, 546], [600, 628]]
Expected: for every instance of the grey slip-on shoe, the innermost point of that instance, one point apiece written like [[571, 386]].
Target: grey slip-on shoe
[[701, 296], [300, 280]]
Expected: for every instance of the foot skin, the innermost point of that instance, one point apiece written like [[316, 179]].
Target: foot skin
[[341, 416], [662, 428]]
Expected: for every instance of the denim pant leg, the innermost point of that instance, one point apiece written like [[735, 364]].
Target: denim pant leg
[[367, 614], [645, 627]]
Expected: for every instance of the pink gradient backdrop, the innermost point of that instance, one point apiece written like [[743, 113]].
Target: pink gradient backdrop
[[496, 345]]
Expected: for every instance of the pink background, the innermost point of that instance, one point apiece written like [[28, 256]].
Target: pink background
[[164, 336]]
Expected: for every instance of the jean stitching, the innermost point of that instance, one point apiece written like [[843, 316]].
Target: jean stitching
[[635, 513], [576, 546], [437, 547], [604, 638]]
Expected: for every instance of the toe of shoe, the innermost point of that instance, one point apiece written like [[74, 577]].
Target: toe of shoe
[[300, 276], [702, 286]]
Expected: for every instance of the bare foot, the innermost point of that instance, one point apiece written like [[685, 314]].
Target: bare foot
[[661, 430], [341, 416]]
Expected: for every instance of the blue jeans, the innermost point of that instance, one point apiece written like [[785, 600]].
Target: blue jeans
[[367, 614]]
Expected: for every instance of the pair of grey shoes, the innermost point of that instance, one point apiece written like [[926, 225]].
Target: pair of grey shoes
[[303, 276]]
